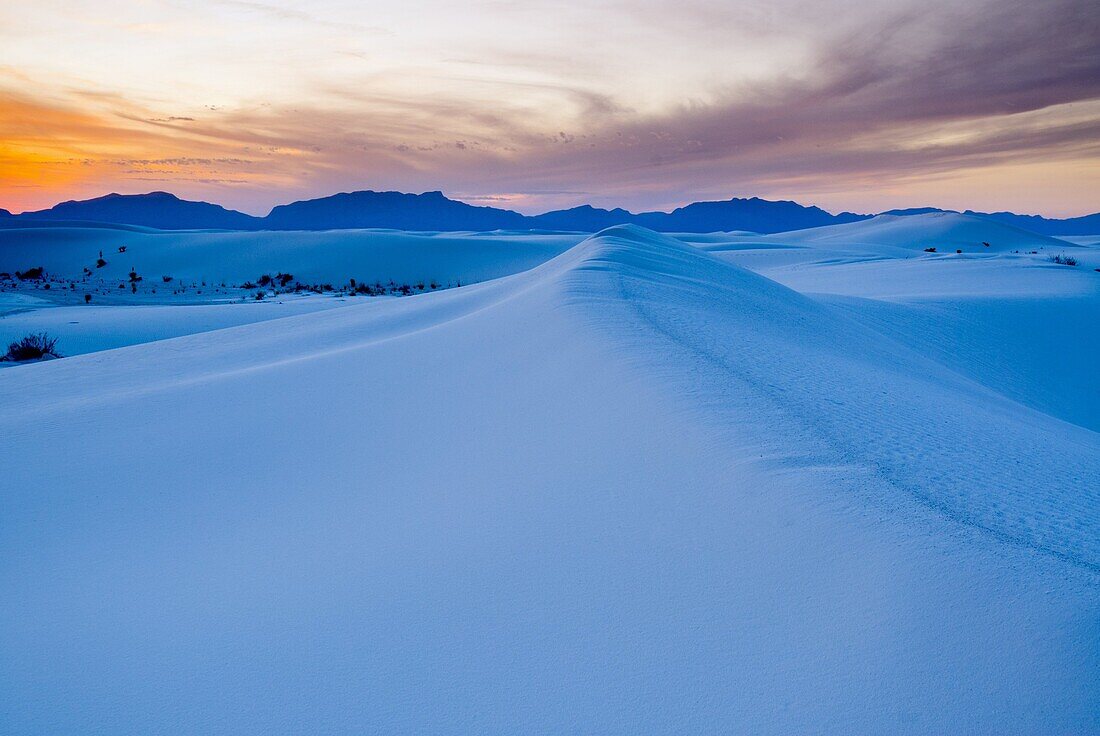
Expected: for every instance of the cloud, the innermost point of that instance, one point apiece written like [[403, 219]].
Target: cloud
[[903, 94], [295, 15], [967, 84]]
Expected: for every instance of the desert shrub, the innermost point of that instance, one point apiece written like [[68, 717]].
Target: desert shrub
[[166, 279], [929, 250], [100, 263], [32, 347], [31, 274], [248, 285], [279, 279], [259, 296], [1063, 260]]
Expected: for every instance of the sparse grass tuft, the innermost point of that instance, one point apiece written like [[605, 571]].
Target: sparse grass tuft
[[32, 347]]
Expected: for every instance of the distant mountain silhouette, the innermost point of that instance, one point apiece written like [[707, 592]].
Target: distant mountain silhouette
[[914, 211], [434, 211], [159, 210], [585, 218], [1085, 225], [427, 211], [756, 215]]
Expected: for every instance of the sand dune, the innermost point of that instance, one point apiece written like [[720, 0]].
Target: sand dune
[[945, 231], [235, 257], [637, 487]]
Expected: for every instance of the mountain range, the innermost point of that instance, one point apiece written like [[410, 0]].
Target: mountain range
[[434, 211]]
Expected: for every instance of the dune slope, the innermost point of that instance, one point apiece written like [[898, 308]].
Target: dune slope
[[635, 489], [945, 231], [235, 257]]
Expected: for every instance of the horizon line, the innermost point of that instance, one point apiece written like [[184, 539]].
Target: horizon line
[[458, 198]]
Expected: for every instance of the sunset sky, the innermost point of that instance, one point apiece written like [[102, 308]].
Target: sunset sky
[[537, 105]]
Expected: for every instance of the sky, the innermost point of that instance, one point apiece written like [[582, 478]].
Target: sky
[[645, 104]]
